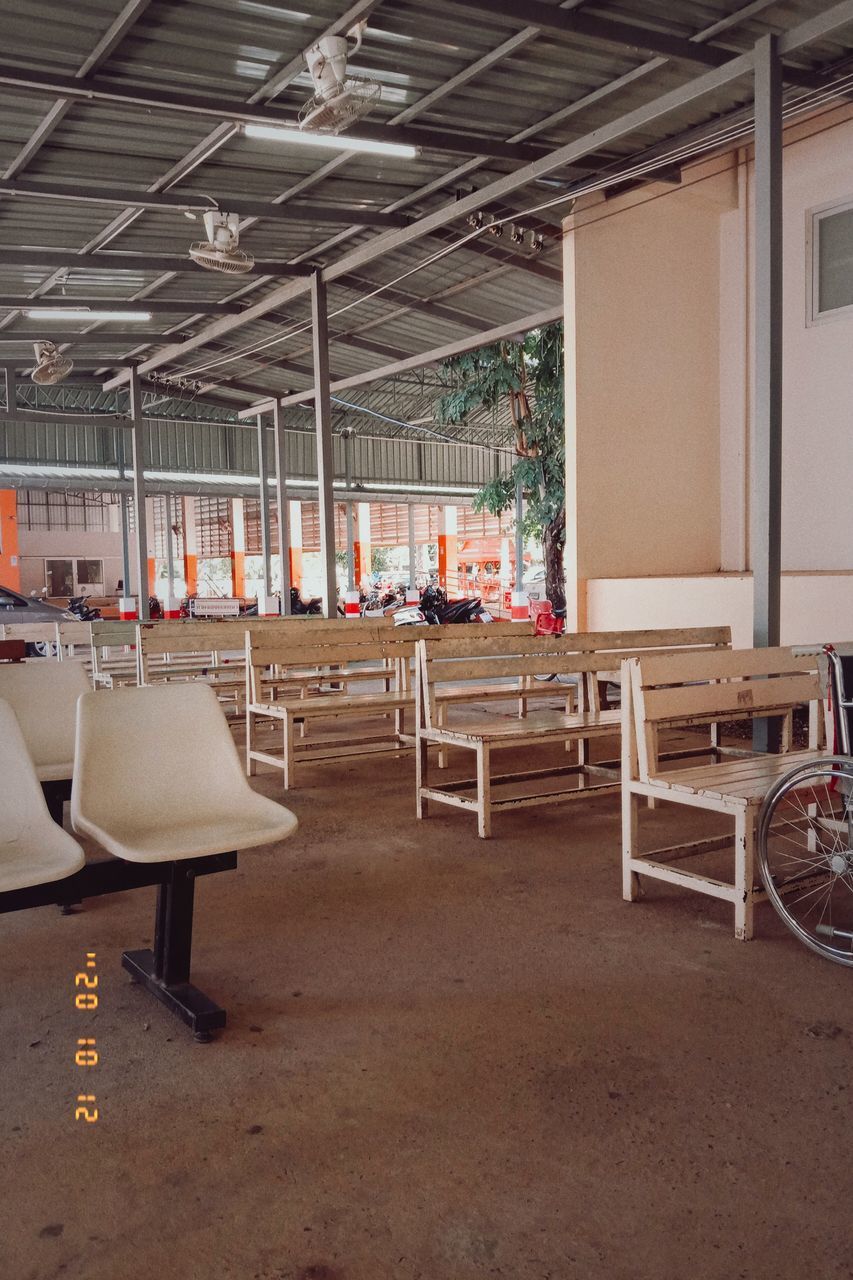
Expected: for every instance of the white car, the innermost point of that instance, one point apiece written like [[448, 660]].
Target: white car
[[533, 584]]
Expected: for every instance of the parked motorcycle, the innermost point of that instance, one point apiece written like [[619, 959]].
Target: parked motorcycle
[[298, 603], [436, 608], [82, 612]]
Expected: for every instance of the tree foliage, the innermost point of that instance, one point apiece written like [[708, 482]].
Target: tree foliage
[[528, 376]]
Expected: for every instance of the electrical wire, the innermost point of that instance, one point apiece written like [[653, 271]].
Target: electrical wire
[[731, 133]]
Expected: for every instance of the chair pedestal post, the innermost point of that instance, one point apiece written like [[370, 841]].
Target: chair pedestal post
[[55, 795], [165, 971]]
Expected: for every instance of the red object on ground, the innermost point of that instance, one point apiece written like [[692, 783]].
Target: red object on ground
[[546, 623]]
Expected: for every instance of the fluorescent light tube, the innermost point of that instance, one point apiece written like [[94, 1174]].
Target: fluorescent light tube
[[83, 313], [337, 142]]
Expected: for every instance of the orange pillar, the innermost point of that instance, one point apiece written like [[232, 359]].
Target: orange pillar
[[238, 549], [448, 551], [361, 543], [152, 562], [190, 545], [296, 544], [10, 560]]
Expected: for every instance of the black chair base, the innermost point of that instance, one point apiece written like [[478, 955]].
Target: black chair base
[[165, 971], [201, 1014]]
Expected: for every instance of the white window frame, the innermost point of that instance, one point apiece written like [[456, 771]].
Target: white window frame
[[814, 315]]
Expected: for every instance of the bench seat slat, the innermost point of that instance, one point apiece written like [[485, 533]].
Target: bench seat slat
[[541, 724], [743, 779]]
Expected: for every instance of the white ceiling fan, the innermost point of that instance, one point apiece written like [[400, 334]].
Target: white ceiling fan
[[52, 366], [339, 100], [221, 250]]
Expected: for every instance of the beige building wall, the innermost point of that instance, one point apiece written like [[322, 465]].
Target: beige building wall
[[642, 285], [659, 400]]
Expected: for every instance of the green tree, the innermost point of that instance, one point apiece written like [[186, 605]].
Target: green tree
[[528, 376]]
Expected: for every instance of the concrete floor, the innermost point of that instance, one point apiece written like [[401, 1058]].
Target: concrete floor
[[446, 1059]]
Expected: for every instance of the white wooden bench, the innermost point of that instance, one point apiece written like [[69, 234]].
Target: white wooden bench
[[374, 649], [588, 656], [695, 690], [215, 652], [113, 653]]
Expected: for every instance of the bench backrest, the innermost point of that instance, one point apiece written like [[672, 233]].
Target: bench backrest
[[702, 688], [212, 638], [369, 642], [107, 634], [29, 632], [588, 655]]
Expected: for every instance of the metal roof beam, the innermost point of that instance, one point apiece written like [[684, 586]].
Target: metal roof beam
[[93, 89], [94, 339], [621, 127], [111, 38], [109, 261], [607, 30], [132, 198], [455, 211], [157, 306], [522, 325]]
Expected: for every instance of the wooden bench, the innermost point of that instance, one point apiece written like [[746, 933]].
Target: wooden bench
[[684, 690], [196, 650], [374, 648], [587, 656], [113, 655]]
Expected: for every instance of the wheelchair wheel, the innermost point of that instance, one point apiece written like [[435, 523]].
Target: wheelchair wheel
[[805, 854]]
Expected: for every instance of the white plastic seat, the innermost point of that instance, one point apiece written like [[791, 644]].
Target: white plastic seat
[[44, 696], [158, 779], [33, 849]]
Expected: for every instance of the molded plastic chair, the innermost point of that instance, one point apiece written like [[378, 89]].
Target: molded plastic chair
[[33, 849], [158, 779], [44, 697]]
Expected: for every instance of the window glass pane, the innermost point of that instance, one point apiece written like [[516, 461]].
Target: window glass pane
[[60, 577], [835, 261], [90, 573]]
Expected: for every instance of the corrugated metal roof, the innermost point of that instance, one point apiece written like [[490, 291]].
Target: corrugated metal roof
[[445, 66]]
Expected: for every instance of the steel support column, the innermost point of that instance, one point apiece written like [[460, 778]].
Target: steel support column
[[325, 463], [137, 453], [766, 466], [519, 538], [263, 476], [124, 515], [282, 509], [413, 549], [350, 514]]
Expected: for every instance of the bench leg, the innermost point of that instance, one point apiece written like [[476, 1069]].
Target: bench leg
[[251, 765], [630, 844], [287, 750], [744, 873], [484, 797], [441, 720], [421, 774], [165, 971]]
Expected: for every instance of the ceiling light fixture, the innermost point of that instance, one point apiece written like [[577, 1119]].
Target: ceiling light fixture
[[338, 142], [83, 313]]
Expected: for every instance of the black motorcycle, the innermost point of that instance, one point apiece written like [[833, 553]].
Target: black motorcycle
[[436, 608], [78, 609]]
